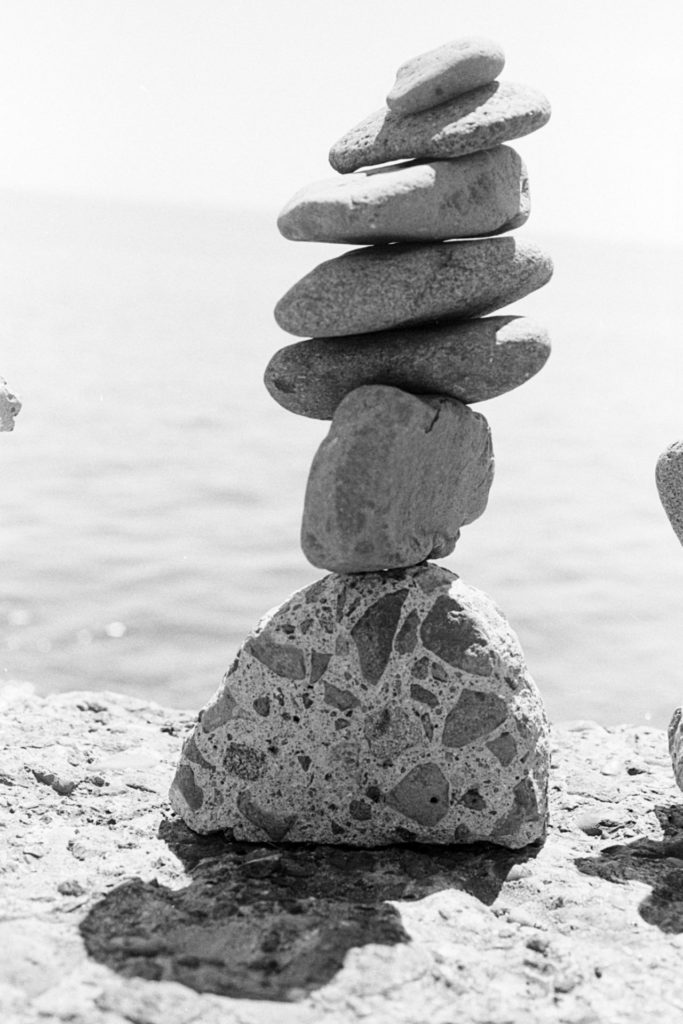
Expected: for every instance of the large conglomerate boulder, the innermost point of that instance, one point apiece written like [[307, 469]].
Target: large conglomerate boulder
[[371, 709]]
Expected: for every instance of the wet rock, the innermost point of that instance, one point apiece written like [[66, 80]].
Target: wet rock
[[366, 755], [479, 119], [382, 287], [393, 482], [470, 360], [479, 194], [669, 476], [444, 73]]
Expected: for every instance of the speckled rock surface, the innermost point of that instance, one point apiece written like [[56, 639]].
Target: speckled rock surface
[[669, 476], [373, 709], [10, 406], [481, 194], [394, 480], [382, 287], [444, 73], [480, 119], [114, 912], [470, 360], [676, 745]]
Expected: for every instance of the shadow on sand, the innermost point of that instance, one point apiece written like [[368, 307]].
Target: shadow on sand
[[275, 922], [658, 863]]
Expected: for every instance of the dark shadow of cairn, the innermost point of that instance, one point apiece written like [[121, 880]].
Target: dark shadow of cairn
[[658, 863], [267, 922]]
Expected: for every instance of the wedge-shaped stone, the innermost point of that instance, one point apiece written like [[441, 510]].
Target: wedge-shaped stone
[[444, 73], [381, 287], [480, 119], [423, 726], [470, 360], [394, 480], [481, 194]]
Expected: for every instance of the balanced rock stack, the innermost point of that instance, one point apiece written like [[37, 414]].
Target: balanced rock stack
[[389, 701]]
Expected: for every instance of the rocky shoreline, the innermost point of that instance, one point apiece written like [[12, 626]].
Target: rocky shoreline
[[112, 910]]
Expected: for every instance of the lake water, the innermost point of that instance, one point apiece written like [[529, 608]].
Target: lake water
[[150, 496]]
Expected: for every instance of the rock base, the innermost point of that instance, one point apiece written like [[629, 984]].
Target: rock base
[[372, 709]]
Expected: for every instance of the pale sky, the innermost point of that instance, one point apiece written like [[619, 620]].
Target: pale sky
[[235, 102]]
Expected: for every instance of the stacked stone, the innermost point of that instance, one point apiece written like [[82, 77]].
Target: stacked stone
[[389, 701]]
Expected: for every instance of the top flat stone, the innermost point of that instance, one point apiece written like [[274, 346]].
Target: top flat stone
[[479, 119], [444, 73]]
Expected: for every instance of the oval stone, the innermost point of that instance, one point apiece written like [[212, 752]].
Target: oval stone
[[444, 73], [481, 194], [470, 360], [669, 477], [479, 119], [381, 287], [394, 480], [392, 760]]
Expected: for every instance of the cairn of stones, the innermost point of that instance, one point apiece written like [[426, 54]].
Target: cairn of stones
[[389, 701], [10, 406]]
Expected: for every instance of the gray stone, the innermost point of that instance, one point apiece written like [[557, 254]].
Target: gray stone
[[676, 745], [480, 194], [10, 406], [444, 73], [470, 360], [364, 756], [480, 119], [393, 482], [382, 287], [669, 476]]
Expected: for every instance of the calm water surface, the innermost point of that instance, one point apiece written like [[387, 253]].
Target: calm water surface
[[150, 497]]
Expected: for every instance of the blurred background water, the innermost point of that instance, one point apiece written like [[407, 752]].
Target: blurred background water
[[150, 496]]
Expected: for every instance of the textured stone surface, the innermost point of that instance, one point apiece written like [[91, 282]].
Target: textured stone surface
[[480, 119], [481, 194], [114, 912], [444, 73], [470, 360], [381, 287], [669, 476], [676, 745], [394, 480], [10, 406], [417, 721]]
